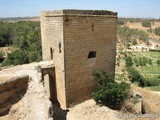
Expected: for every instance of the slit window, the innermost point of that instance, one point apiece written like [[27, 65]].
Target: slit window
[[51, 52], [92, 27], [92, 54], [60, 51]]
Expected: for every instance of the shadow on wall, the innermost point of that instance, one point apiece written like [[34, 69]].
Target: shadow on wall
[[59, 113], [11, 91]]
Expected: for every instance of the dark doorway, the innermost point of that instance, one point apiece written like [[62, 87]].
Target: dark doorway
[[53, 90], [50, 86]]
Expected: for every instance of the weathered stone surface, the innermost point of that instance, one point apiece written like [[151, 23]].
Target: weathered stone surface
[[9, 88], [33, 103]]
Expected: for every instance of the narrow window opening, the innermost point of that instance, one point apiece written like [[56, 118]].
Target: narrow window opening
[[67, 19], [92, 27], [51, 53], [60, 51], [92, 54]]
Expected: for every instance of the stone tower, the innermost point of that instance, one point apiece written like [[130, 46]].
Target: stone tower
[[78, 42]]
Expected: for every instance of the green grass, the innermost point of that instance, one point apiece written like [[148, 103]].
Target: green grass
[[154, 88], [152, 54], [149, 70]]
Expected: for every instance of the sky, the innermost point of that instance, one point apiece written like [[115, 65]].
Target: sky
[[125, 8]]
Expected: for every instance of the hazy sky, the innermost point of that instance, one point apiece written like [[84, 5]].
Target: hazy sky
[[125, 8]]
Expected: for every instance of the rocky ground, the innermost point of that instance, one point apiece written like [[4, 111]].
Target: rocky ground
[[89, 110]]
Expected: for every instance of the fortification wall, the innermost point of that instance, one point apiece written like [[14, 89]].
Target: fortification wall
[[53, 49], [10, 89]]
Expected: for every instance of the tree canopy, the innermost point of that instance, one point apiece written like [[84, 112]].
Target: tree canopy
[[25, 36]]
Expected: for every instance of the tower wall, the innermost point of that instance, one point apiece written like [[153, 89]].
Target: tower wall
[[85, 34], [81, 41], [53, 49]]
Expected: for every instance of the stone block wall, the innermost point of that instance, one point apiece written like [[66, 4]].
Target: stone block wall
[[82, 41], [53, 49], [82, 35]]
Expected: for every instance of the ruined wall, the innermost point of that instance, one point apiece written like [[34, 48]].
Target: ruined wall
[[83, 34], [52, 47], [10, 89]]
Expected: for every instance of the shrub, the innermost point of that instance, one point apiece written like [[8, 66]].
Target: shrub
[[129, 61], [135, 77], [146, 24], [34, 56], [158, 62], [16, 58], [157, 31], [134, 41], [109, 92], [154, 81]]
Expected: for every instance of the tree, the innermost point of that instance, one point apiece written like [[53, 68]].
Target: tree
[[146, 24], [25, 36], [158, 62], [5, 34], [143, 36], [134, 41], [16, 58], [109, 92], [129, 61], [150, 61], [157, 31]]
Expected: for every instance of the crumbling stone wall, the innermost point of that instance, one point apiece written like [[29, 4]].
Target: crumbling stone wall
[[78, 41], [10, 88]]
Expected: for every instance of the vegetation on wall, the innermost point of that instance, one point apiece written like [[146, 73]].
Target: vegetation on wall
[[25, 36]]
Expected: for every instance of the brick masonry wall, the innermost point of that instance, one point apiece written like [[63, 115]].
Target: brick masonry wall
[[52, 36], [83, 34]]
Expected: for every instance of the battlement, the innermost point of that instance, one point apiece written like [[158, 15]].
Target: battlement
[[74, 12]]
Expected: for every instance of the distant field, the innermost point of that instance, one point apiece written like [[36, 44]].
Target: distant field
[[16, 19], [138, 25], [149, 70]]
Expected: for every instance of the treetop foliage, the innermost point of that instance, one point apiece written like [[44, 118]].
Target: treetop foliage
[[146, 24], [109, 92], [24, 35]]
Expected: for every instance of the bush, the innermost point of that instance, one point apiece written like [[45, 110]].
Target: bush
[[129, 61], [157, 31], [34, 56], [16, 58], [158, 62], [146, 24], [135, 77], [134, 41], [109, 92], [154, 81]]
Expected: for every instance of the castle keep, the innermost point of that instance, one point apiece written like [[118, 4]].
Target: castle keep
[[78, 42]]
